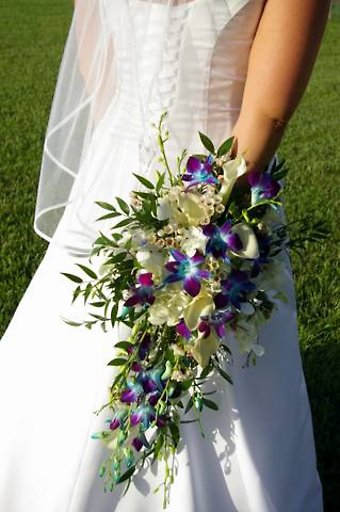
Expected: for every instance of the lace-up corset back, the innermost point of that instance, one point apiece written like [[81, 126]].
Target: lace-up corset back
[[195, 69]]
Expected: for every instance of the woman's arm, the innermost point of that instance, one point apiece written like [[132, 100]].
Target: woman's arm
[[280, 64]]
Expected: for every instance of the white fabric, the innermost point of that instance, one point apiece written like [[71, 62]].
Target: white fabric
[[261, 454]]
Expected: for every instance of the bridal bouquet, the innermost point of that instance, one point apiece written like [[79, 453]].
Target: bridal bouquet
[[188, 265]]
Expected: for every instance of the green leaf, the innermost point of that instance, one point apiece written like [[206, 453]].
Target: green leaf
[[99, 304], [117, 361], [160, 182], [123, 205], [205, 372], [73, 324], [189, 405], [225, 375], [124, 345], [186, 384], [87, 271], [207, 143], [174, 433], [106, 206], [210, 404], [114, 312], [127, 474], [72, 277], [109, 216], [225, 147], [144, 181], [122, 223]]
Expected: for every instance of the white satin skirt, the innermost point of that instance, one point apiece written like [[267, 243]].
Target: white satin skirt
[[258, 454]]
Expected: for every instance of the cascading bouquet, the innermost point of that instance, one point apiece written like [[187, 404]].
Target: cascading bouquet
[[190, 264]]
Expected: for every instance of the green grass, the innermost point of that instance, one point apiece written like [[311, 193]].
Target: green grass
[[32, 39]]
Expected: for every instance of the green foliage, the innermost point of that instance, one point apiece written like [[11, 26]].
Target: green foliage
[[30, 57]]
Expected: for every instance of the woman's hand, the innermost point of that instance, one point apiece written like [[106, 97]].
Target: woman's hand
[[281, 60]]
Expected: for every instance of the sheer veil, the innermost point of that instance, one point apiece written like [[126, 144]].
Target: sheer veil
[[101, 63]]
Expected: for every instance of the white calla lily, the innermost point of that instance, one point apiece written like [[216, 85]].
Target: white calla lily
[[202, 304], [232, 170], [249, 241], [205, 347]]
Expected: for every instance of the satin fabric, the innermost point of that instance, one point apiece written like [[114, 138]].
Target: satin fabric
[[259, 453]]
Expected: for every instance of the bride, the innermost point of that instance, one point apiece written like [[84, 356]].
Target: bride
[[224, 67]]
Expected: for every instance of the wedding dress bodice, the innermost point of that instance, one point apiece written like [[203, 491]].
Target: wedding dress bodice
[[198, 76], [189, 58]]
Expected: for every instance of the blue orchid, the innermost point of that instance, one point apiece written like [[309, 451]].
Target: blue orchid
[[143, 294], [234, 290], [221, 239], [263, 186], [186, 269], [144, 414], [198, 172]]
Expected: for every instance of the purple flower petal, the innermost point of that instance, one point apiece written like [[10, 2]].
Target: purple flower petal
[[154, 397], [204, 327], [135, 418], [193, 164], [183, 330], [132, 301], [209, 229], [179, 256], [226, 227], [192, 285], [197, 258], [137, 444], [204, 274], [220, 330], [171, 266], [253, 178], [128, 396], [114, 424], [234, 242], [161, 421], [136, 367], [145, 279], [221, 300]]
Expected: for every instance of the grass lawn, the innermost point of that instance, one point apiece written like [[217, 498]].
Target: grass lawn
[[32, 39]]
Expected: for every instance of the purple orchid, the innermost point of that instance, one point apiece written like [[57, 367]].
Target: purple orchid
[[198, 172], [132, 392], [221, 239], [144, 414], [144, 346], [264, 244], [217, 320], [234, 290], [137, 443], [186, 269], [118, 419], [148, 383], [183, 330], [142, 294], [263, 186]]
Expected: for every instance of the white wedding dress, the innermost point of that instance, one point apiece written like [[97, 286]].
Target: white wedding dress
[[259, 454]]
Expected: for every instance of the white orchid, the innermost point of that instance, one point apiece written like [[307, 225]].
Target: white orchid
[[194, 240], [152, 259]]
